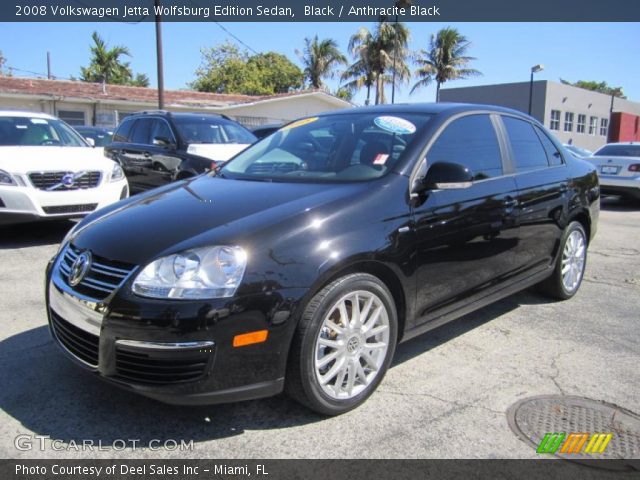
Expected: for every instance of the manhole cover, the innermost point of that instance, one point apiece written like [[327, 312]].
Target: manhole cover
[[576, 428]]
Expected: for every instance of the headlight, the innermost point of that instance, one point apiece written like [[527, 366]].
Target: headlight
[[116, 173], [6, 178], [207, 272]]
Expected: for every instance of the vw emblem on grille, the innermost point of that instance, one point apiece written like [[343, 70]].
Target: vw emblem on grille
[[68, 180], [79, 268]]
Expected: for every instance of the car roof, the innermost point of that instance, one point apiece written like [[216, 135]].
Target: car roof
[[26, 114], [427, 108]]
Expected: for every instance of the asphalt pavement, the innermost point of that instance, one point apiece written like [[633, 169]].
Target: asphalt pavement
[[446, 395]]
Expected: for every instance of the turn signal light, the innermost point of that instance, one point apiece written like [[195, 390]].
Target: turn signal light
[[250, 338], [634, 167]]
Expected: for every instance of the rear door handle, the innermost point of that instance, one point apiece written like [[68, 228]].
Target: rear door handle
[[510, 202], [564, 187]]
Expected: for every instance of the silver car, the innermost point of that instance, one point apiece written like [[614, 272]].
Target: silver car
[[618, 166]]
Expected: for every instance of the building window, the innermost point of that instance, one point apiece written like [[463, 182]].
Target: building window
[[604, 126], [568, 121], [71, 117], [593, 125], [555, 120], [582, 123]]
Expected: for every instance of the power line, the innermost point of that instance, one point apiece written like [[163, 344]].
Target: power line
[[38, 74], [236, 38]]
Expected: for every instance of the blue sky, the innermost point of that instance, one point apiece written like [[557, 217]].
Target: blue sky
[[505, 52]]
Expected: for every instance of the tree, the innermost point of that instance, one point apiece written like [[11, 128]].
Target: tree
[[227, 69], [445, 60], [106, 65], [601, 87], [320, 59], [375, 53], [344, 93]]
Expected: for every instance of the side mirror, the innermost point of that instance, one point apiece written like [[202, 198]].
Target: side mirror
[[90, 141], [162, 142], [445, 175]]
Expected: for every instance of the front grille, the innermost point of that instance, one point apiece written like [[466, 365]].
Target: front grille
[[53, 180], [81, 344], [86, 208], [103, 277], [160, 367]]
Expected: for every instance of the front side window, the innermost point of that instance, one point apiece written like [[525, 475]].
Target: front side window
[[470, 141], [554, 124], [332, 148], [582, 123], [593, 125], [34, 131], [528, 152], [568, 121], [161, 129], [210, 129]]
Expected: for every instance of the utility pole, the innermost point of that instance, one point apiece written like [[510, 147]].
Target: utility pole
[[159, 56], [49, 76], [398, 4]]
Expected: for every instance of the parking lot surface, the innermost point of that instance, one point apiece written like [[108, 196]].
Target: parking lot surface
[[444, 397]]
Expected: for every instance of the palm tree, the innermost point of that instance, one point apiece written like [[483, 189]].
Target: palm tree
[[106, 65], [320, 58], [445, 60], [361, 72], [377, 52]]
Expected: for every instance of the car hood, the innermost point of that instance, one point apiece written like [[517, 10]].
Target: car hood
[[21, 160], [203, 211], [216, 151]]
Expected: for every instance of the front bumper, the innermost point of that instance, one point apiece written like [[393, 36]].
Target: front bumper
[[26, 203], [175, 351], [615, 185]]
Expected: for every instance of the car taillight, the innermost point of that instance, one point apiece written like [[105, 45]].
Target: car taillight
[[634, 167], [214, 165]]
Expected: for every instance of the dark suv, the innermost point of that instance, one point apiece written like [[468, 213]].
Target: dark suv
[[158, 147], [302, 262]]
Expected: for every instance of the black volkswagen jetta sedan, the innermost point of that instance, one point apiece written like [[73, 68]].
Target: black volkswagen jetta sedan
[[302, 262]]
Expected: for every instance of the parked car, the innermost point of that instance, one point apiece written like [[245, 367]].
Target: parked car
[[155, 148], [266, 130], [99, 136], [577, 151], [302, 262], [48, 171], [618, 166]]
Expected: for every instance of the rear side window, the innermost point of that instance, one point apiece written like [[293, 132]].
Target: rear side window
[[527, 150], [123, 131], [141, 131], [470, 141], [553, 154]]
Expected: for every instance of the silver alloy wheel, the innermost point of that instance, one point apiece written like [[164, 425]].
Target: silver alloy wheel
[[573, 257], [352, 344]]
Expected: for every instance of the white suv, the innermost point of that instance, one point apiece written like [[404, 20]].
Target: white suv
[[47, 170]]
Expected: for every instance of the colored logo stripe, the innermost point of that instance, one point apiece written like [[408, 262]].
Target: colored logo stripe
[[598, 443], [574, 442]]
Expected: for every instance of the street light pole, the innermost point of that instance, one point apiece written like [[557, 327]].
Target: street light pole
[[159, 57], [398, 4], [534, 69]]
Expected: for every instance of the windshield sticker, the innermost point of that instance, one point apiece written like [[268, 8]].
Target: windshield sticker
[[380, 159], [299, 123], [396, 125], [39, 121]]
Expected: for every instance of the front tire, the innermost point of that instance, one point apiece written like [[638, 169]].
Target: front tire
[[343, 345], [569, 269]]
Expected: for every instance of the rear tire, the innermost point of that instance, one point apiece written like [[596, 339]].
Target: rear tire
[[344, 344], [568, 273]]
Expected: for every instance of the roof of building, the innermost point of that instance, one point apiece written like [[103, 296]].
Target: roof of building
[[105, 93]]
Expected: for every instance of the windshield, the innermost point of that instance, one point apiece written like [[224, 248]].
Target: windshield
[[620, 150], [101, 138], [334, 148], [212, 130], [34, 131]]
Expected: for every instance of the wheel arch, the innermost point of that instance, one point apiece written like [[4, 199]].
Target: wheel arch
[[584, 219]]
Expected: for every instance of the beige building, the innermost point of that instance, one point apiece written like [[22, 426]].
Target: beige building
[[81, 103]]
